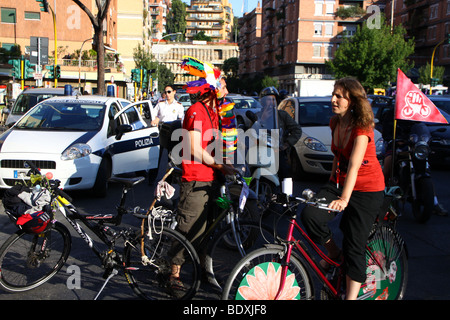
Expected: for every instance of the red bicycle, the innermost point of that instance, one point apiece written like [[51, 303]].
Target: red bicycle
[[282, 271]]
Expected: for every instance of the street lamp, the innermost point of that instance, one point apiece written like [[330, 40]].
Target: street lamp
[[157, 66], [79, 64]]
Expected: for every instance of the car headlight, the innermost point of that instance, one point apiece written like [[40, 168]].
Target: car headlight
[[314, 144], [75, 151], [421, 150]]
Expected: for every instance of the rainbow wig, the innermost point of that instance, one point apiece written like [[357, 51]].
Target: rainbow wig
[[210, 82]]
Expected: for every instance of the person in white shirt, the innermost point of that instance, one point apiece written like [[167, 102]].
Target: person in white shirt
[[169, 109]]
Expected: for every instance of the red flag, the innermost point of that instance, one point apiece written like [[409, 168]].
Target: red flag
[[412, 104]]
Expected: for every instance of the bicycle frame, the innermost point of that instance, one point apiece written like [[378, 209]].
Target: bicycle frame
[[292, 243]]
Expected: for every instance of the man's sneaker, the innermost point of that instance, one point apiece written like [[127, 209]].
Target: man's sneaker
[[440, 210], [176, 288]]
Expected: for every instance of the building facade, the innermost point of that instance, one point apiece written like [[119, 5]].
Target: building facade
[[428, 22], [171, 54], [296, 37], [214, 18]]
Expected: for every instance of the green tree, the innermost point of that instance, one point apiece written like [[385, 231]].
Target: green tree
[[202, 36], [176, 19], [97, 24], [373, 55], [268, 82], [145, 60], [425, 73]]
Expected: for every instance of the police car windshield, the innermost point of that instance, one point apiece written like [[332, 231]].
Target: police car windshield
[[64, 116]]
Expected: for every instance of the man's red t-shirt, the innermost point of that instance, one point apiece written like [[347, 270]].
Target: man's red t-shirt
[[370, 175], [196, 118]]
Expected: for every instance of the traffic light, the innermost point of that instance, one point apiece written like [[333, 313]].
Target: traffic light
[[57, 71], [43, 4], [17, 72], [145, 75], [447, 37], [51, 71], [136, 75], [28, 69], [434, 82]]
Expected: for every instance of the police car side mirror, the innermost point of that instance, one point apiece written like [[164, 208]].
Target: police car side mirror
[[120, 130]]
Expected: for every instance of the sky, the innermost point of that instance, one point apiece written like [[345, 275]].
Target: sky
[[237, 6]]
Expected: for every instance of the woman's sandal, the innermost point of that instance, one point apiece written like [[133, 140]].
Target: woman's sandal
[[326, 266]]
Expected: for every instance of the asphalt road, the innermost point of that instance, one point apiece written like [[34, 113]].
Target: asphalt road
[[428, 247]]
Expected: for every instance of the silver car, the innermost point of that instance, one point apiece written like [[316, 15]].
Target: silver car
[[312, 152]]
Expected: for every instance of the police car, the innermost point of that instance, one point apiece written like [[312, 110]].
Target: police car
[[81, 141]]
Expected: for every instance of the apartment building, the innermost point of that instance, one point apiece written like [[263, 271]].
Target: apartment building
[[428, 21], [158, 10], [214, 18], [290, 40], [171, 54]]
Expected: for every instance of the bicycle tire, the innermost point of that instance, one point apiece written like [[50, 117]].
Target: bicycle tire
[[221, 257], [20, 268], [150, 281], [387, 265], [265, 263]]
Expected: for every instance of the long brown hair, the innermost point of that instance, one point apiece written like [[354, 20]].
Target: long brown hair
[[362, 114]]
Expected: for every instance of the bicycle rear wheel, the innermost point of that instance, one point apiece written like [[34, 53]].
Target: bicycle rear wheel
[[387, 265], [29, 260], [257, 277], [149, 279]]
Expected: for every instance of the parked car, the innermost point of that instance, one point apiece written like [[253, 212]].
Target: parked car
[[185, 100], [241, 105], [28, 99], [312, 153], [81, 140]]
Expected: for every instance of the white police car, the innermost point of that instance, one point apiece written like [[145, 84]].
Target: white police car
[[81, 140]]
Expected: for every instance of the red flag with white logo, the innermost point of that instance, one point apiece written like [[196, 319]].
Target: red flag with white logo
[[412, 104]]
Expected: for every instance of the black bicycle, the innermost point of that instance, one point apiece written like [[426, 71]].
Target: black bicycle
[[28, 260], [235, 228]]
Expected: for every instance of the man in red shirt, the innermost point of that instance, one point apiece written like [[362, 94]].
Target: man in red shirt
[[200, 167]]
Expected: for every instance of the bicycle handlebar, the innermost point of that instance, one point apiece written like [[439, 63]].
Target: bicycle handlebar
[[308, 200]]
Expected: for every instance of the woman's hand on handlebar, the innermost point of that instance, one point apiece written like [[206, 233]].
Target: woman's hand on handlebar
[[339, 204]]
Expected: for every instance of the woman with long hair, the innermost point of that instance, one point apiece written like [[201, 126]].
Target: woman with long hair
[[355, 186]]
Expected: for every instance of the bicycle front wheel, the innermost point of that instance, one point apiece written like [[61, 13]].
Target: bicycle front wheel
[[387, 265], [29, 260], [257, 277], [223, 253], [149, 277]]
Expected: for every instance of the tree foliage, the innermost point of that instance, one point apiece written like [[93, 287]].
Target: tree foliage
[[373, 55], [143, 59], [97, 24], [425, 73], [176, 19]]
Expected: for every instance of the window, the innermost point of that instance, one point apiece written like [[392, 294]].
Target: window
[[349, 30], [328, 29], [318, 8], [8, 15], [434, 11], [316, 50], [328, 51], [32, 15], [329, 8], [317, 29]]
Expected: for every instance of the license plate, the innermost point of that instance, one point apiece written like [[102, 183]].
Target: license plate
[[19, 174]]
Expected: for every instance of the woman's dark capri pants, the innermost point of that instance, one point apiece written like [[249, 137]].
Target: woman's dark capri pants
[[356, 223]]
